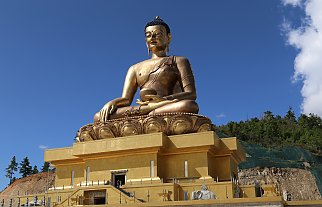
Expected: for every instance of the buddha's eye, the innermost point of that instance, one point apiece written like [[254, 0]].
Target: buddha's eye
[[148, 34]]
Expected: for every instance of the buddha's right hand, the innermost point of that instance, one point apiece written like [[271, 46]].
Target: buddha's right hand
[[107, 110]]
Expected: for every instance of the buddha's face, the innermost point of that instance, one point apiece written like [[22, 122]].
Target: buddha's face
[[156, 38]]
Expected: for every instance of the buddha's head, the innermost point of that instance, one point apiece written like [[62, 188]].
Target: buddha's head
[[157, 35]]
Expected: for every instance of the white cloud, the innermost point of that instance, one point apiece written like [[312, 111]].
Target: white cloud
[[222, 115], [43, 147], [308, 62], [292, 2]]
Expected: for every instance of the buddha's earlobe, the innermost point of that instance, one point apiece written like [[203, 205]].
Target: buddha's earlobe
[[149, 51], [169, 40]]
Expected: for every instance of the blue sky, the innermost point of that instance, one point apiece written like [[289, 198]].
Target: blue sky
[[61, 61]]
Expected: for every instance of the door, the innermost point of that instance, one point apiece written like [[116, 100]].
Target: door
[[118, 179]]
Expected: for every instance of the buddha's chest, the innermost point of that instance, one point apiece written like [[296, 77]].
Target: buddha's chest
[[163, 75]]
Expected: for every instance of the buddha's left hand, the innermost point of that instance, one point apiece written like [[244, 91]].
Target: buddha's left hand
[[155, 98], [156, 101], [154, 105], [151, 99]]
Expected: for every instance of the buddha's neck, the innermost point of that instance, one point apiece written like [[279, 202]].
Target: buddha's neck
[[159, 54]]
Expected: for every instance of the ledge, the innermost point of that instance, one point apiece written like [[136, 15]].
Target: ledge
[[148, 143], [119, 144], [59, 154]]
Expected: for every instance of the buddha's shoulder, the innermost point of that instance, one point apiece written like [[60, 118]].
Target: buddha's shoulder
[[181, 59]]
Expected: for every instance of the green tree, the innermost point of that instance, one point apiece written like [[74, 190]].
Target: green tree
[[25, 169], [14, 179], [290, 116], [45, 167], [268, 115], [11, 169], [276, 131], [35, 170]]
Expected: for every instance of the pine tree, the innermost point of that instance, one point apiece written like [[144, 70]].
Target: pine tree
[[35, 170], [45, 167], [11, 169], [25, 169], [14, 179], [290, 116]]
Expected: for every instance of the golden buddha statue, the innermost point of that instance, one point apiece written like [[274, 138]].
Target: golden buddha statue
[[166, 82], [167, 96]]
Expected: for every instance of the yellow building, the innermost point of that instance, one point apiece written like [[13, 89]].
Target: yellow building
[[154, 170], [153, 167]]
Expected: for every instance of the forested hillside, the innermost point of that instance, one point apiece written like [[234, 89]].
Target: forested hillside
[[274, 131]]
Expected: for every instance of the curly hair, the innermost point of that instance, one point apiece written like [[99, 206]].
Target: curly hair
[[158, 21]]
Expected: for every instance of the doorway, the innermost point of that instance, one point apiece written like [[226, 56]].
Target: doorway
[[118, 178], [95, 197]]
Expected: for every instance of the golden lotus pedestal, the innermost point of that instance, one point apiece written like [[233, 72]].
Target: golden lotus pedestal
[[168, 123]]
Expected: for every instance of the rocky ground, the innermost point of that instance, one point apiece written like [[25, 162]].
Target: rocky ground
[[299, 184], [32, 184]]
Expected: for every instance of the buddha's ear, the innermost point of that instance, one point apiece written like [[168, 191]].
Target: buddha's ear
[[169, 37]]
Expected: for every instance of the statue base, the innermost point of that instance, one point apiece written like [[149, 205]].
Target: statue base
[[168, 123], [152, 170]]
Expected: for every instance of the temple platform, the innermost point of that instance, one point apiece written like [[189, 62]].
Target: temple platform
[[143, 158], [196, 169]]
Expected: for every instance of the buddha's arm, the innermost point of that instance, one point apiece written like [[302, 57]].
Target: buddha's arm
[[129, 89], [187, 81]]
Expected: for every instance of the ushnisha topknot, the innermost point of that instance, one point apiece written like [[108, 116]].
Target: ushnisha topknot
[[158, 21]]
